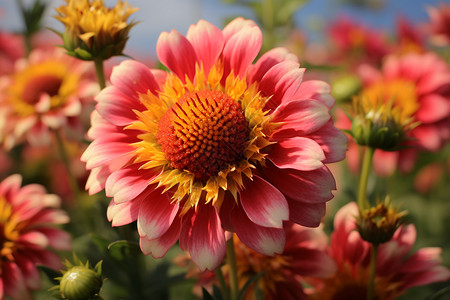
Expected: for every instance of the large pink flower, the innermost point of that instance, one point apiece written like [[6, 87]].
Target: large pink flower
[[217, 144], [47, 91], [27, 228], [396, 271], [420, 87]]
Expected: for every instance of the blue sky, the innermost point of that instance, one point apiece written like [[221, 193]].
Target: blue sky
[[157, 16]]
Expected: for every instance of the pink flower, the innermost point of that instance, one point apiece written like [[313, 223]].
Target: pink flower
[[439, 27], [396, 271], [420, 87], [27, 220], [357, 42], [217, 144], [303, 256], [49, 90]]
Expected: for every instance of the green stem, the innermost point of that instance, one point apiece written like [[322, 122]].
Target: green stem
[[231, 260], [373, 266], [364, 178], [99, 70], [268, 20], [223, 284]]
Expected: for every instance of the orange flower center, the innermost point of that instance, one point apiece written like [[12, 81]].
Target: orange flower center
[[203, 133]]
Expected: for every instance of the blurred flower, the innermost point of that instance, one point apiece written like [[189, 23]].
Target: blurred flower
[[27, 219], [12, 47], [428, 177], [47, 91], [93, 30], [396, 271], [216, 144], [439, 27], [410, 38], [281, 274], [357, 42], [80, 281], [419, 86]]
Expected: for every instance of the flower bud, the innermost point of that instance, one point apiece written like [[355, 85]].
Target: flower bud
[[80, 282], [378, 224], [379, 124], [93, 30]]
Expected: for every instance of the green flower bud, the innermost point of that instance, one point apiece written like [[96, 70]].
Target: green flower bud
[[345, 87]]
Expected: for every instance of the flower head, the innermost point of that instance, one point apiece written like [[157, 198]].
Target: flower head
[[27, 229], [414, 85], [47, 91], [93, 30], [217, 143], [396, 271]]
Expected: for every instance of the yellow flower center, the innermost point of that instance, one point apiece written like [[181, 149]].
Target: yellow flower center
[[9, 231], [401, 93], [203, 136], [203, 132], [52, 78]]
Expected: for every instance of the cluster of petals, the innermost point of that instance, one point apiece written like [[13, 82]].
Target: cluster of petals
[[28, 220], [46, 91], [419, 83], [282, 275], [281, 174], [397, 269], [12, 47]]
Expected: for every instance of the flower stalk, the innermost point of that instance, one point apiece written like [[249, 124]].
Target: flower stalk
[[364, 178], [99, 70], [373, 266], [231, 260]]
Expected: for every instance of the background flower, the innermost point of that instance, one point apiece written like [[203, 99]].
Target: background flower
[[27, 221]]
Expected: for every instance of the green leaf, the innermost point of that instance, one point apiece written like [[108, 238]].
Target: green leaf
[[206, 295], [121, 250], [51, 274]]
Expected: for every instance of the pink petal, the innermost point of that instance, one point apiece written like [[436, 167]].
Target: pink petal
[[132, 77], [96, 180], [177, 53], [332, 141], [241, 49], [235, 26], [10, 186], [297, 153], [427, 137], [317, 90], [117, 107], [300, 117], [58, 238], [125, 212], [30, 273], [303, 186], [207, 41], [128, 182], [311, 262], [203, 237], [265, 240], [267, 61], [433, 107], [422, 260], [306, 214], [14, 282], [263, 203], [384, 162], [156, 214], [158, 247]]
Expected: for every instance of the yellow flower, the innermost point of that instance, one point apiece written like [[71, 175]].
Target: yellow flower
[[93, 30]]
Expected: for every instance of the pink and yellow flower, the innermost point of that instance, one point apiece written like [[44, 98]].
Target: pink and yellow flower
[[419, 85], [439, 26], [12, 48], [47, 91], [217, 144], [396, 271], [283, 277], [28, 216]]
